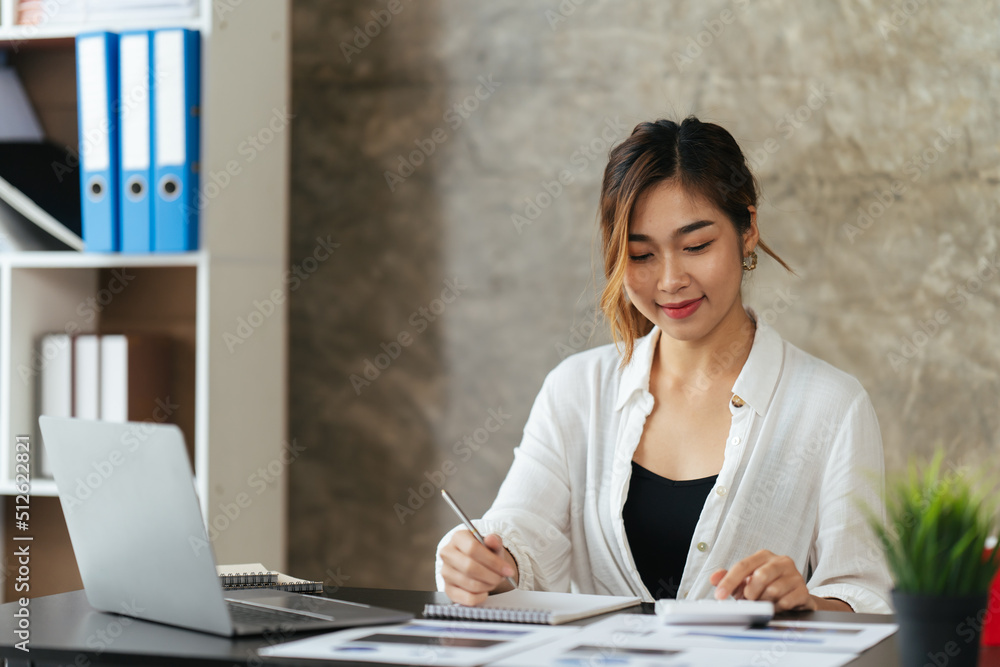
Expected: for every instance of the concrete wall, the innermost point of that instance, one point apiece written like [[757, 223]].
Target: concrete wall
[[875, 136]]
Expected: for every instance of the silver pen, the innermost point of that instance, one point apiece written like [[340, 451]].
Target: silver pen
[[468, 524]]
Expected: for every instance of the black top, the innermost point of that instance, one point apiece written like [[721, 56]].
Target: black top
[[660, 517]]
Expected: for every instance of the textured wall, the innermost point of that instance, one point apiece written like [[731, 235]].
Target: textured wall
[[873, 130]]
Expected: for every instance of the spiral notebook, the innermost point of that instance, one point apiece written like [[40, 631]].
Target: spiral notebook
[[533, 607], [255, 575]]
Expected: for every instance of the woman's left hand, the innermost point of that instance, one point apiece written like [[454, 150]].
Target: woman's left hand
[[765, 576]]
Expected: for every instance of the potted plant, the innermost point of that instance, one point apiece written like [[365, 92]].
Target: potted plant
[[937, 523]]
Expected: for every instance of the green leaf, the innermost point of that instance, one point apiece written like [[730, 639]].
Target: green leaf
[[935, 528]]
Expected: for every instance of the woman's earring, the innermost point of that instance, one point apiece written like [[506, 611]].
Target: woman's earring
[[750, 261]]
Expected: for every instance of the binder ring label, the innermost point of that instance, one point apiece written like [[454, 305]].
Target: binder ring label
[[170, 188], [135, 188], [96, 188]]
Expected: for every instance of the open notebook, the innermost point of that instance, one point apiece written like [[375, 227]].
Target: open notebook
[[533, 607], [255, 575]]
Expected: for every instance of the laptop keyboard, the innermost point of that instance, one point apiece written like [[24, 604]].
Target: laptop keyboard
[[245, 614]]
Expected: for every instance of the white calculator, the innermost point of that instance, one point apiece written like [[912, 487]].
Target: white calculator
[[714, 612]]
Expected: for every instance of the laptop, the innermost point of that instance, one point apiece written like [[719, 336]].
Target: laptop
[[128, 495]]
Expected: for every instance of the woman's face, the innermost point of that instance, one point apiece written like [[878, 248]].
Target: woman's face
[[685, 262]]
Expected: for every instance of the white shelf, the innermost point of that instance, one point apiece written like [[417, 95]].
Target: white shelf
[[239, 400], [39, 487], [95, 260], [16, 34]]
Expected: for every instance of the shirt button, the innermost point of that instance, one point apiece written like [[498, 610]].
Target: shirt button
[[684, 594], [722, 490], [702, 546], [735, 440], [737, 401]]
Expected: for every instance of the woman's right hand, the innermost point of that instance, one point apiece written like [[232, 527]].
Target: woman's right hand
[[472, 571]]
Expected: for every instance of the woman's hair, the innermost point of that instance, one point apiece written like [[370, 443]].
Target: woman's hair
[[705, 160]]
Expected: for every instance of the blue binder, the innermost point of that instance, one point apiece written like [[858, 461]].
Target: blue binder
[[97, 95], [176, 100], [135, 90]]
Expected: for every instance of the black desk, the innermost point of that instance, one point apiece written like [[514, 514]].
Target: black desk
[[65, 630]]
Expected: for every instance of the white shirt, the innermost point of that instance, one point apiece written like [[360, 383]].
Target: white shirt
[[802, 452]]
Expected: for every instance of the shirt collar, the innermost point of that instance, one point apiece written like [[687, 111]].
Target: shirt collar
[[759, 377], [635, 376], [755, 384]]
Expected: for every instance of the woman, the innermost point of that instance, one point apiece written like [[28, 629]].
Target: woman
[[700, 455]]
